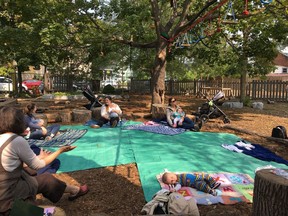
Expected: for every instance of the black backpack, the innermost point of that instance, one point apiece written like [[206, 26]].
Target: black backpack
[[279, 132]]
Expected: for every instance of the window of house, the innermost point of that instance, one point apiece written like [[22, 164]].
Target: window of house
[[284, 70]]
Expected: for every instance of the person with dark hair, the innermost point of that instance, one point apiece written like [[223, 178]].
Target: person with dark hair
[[110, 112], [15, 183], [171, 113], [37, 128]]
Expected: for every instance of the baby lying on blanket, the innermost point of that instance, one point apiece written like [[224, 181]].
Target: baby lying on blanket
[[203, 182]]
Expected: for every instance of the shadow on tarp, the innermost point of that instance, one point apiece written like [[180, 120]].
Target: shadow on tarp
[[190, 151], [97, 148]]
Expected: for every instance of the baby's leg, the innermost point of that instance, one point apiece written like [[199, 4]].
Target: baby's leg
[[202, 186], [211, 181]]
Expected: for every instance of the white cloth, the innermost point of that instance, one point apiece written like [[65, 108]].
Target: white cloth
[[247, 146], [231, 148], [16, 152]]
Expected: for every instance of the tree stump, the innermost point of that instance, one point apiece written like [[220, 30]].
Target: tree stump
[[270, 196], [96, 113], [81, 116], [42, 116], [66, 116], [159, 111], [53, 117]]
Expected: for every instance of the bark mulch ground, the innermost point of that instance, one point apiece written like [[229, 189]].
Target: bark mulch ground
[[117, 190]]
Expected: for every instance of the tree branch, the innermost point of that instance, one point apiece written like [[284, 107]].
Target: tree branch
[[135, 44], [180, 27], [184, 13], [229, 42], [156, 16], [170, 23]]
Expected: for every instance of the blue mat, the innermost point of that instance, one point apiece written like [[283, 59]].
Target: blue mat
[[66, 138]]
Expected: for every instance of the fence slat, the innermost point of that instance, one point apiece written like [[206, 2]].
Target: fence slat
[[257, 89]]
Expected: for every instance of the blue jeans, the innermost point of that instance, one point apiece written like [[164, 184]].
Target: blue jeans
[[38, 134], [187, 124], [50, 168]]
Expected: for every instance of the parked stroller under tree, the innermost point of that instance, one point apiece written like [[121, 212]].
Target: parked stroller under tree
[[210, 110]]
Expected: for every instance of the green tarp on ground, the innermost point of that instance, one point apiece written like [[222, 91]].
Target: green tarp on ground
[[189, 151], [97, 148]]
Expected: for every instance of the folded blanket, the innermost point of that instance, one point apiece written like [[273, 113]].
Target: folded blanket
[[235, 187], [66, 138], [159, 129]]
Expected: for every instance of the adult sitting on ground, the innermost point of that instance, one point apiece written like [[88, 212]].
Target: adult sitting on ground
[[171, 114], [15, 183], [37, 128], [110, 112]]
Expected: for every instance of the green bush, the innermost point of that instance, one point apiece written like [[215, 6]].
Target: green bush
[[247, 101], [108, 89]]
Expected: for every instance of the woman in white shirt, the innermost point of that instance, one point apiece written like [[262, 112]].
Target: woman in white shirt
[[110, 112], [15, 151]]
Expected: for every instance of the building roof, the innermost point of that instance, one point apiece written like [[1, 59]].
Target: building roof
[[281, 60]]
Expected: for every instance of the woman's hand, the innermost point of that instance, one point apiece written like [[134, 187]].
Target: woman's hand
[[43, 154], [174, 125], [41, 122], [44, 130], [67, 148]]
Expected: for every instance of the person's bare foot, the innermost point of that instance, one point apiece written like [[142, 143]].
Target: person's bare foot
[[47, 138]]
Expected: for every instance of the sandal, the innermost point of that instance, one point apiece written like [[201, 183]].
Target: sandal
[[83, 190]]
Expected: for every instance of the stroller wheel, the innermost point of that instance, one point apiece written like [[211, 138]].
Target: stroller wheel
[[226, 120], [204, 118]]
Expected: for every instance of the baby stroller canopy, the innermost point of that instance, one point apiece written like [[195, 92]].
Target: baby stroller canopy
[[210, 110], [218, 96], [94, 102]]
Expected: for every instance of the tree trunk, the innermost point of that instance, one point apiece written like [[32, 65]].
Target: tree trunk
[[243, 82], [270, 194], [20, 70], [244, 66], [46, 77], [158, 74]]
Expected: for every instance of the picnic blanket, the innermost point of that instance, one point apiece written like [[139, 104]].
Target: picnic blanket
[[66, 138], [157, 128], [235, 187]]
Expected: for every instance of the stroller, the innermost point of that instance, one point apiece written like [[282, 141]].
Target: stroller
[[94, 101], [210, 110]]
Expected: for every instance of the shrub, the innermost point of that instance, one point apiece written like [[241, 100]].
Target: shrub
[[247, 101], [108, 89]]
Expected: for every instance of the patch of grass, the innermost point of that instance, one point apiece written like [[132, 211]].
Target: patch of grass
[[66, 93]]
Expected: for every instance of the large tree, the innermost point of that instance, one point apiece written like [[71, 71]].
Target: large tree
[[158, 24]]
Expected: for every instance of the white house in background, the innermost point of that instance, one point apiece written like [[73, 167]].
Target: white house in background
[[281, 62], [281, 71]]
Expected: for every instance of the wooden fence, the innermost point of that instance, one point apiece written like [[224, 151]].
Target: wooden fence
[[256, 89], [69, 83]]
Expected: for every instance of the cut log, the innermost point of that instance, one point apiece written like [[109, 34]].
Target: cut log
[[42, 116], [81, 116], [53, 117], [66, 116], [96, 113], [270, 194], [158, 111]]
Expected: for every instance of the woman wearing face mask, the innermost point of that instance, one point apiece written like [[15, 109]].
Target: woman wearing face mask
[[110, 112]]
